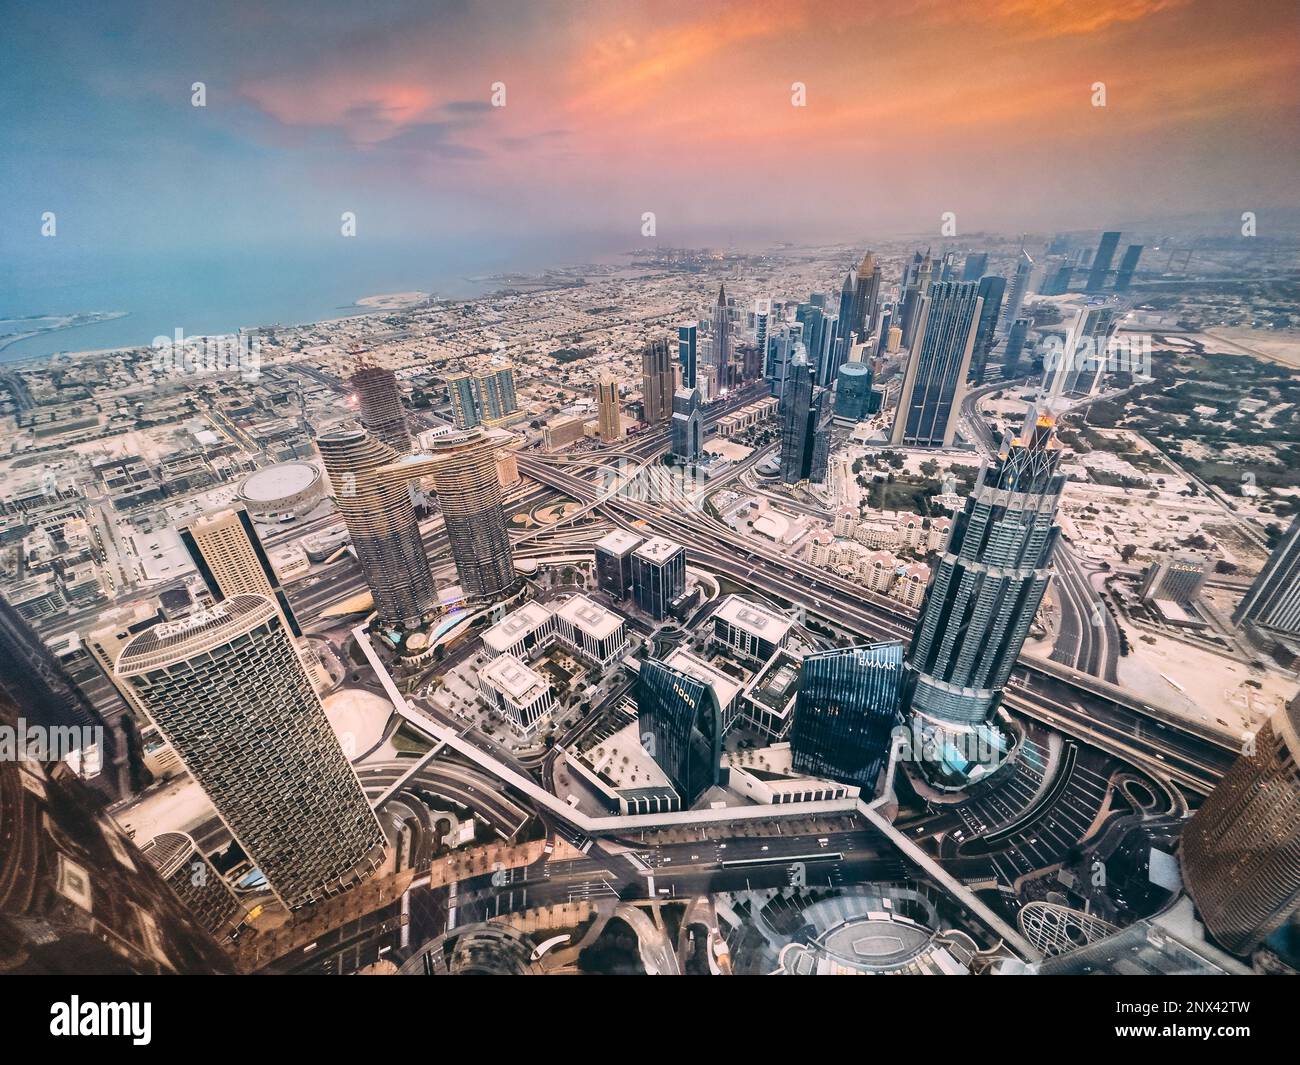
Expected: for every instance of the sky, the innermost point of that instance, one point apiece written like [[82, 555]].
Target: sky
[[613, 108]]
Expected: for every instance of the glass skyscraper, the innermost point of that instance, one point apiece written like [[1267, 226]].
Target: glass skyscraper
[[935, 380], [681, 727], [985, 591], [846, 711]]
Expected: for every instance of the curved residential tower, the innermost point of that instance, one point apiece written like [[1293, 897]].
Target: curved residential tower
[[227, 689], [380, 517]]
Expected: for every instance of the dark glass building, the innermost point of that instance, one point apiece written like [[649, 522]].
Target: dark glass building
[[1272, 602], [991, 290], [845, 712], [658, 575], [1127, 266], [935, 380], [1015, 348], [681, 727], [1101, 261], [854, 398], [985, 591], [802, 423]]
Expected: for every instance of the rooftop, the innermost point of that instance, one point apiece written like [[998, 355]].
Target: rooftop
[[618, 542], [658, 549], [753, 618], [513, 679], [515, 626], [591, 618], [724, 687]]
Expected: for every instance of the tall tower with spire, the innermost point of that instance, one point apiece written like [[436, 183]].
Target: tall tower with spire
[[981, 600]]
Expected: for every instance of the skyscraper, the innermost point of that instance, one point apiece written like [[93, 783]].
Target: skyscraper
[[854, 398], [463, 469], [845, 712], [723, 344], [1016, 337], [464, 405], [607, 413], [935, 380], [658, 575], [977, 264], [984, 594], [1101, 262], [380, 517], [801, 413], [657, 382], [494, 395], [1019, 289], [991, 290], [866, 297], [688, 353], [681, 727], [226, 688], [229, 556], [687, 425], [1272, 603], [1127, 267], [380, 401], [1241, 850], [1075, 366]]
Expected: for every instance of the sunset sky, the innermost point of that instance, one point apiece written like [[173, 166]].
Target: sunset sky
[[613, 108]]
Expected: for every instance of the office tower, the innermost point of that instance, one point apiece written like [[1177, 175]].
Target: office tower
[[1101, 262], [1019, 289], [195, 880], [657, 382], [687, 425], [76, 896], [229, 556], [1272, 603], [607, 412], [688, 354], [783, 348], [990, 290], [658, 576], [1057, 280], [977, 265], [853, 393], [464, 406], [762, 322], [1015, 348], [1178, 579], [846, 709], [463, 470], [886, 326], [494, 395], [801, 413], [1241, 850], [380, 517], [380, 406], [934, 383], [984, 593], [813, 320], [846, 315], [723, 343], [227, 690], [681, 727], [866, 297], [835, 351], [1075, 366], [1127, 267], [614, 563]]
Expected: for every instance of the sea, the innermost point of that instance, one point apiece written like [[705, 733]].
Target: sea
[[206, 291]]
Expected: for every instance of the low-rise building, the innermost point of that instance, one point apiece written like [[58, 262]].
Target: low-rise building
[[520, 694]]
